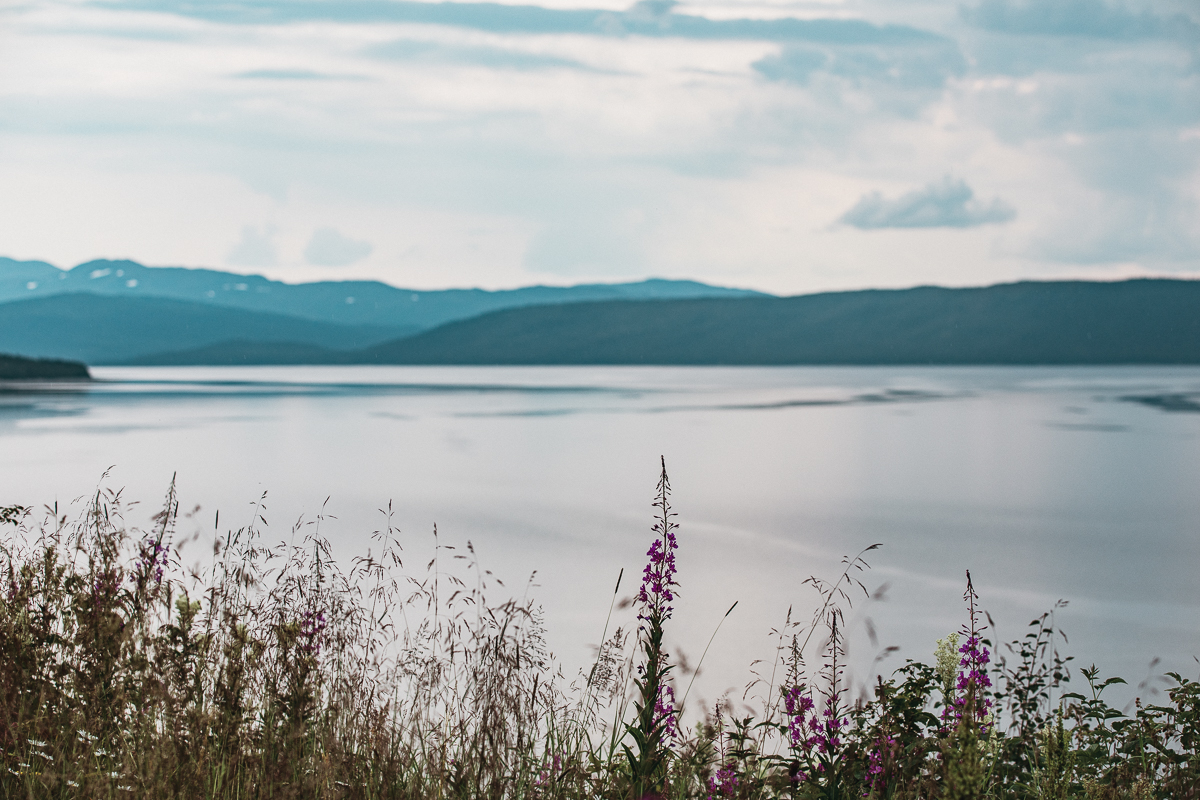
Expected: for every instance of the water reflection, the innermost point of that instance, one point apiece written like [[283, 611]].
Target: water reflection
[[1047, 483]]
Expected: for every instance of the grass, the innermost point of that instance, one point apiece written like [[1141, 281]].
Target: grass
[[273, 672]]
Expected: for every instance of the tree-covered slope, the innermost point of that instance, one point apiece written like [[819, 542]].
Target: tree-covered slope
[[1128, 322], [18, 368]]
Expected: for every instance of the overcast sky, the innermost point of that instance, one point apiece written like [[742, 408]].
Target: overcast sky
[[784, 146]]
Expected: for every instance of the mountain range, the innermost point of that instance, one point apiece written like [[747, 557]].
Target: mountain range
[[112, 312], [120, 312], [354, 303]]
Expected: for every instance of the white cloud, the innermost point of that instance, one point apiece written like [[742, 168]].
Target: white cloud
[[949, 203]]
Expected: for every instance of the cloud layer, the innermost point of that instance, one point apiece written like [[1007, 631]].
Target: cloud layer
[[1088, 18], [497, 144], [654, 18]]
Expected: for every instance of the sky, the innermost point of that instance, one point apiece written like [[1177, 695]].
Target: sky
[[783, 146]]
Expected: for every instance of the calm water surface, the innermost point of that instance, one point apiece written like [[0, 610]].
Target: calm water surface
[[1047, 483]]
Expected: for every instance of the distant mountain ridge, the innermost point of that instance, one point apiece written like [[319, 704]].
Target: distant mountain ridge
[[1140, 321], [99, 329], [340, 302], [1143, 321]]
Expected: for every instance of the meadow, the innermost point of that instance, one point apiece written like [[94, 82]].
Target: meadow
[[272, 671]]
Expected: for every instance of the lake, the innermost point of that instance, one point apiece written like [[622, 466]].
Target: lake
[[1074, 483]]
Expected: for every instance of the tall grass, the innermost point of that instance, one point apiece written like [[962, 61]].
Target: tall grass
[[273, 672]]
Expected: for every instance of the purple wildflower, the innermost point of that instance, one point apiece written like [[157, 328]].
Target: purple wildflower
[[312, 625], [809, 732], [973, 681], [105, 587], [798, 704], [883, 752], [658, 577], [828, 740], [655, 597], [665, 712], [656, 712], [723, 784], [152, 559], [550, 769]]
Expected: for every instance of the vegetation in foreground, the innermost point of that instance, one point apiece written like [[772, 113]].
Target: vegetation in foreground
[[273, 673]]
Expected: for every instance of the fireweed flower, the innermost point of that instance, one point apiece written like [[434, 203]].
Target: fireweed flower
[[105, 587], [654, 599], [551, 767], [829, 728], [813, 736], [666, 713], [312, 625], [884, 750], [152, 559], [723, 784], [656, 719], [973, 681], [797, 704], [658, 578]]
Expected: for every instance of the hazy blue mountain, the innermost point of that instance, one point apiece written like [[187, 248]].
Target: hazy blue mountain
[[107, 330], [17, 368], [342, 302], [27, 278], [1129, 322]]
